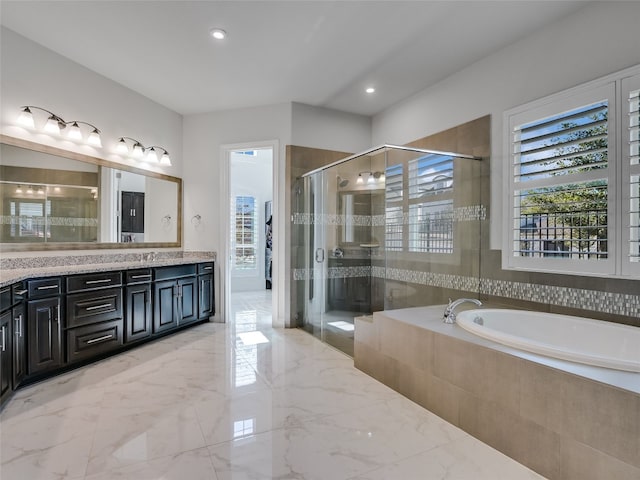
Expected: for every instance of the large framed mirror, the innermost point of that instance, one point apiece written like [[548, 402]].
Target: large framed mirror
[[54, 199]]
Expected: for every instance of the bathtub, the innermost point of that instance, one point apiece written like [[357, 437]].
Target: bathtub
[[577, 339]]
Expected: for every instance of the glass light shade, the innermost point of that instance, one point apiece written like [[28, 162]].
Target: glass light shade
[[152, 156], [138, 151], [371, 180], [122, 147], [74, 132], [26, 118], [165, 160], [52, 126], [382, 177], [30, 191], [94, 139], [40, 191], [19, 189], [360, 180]]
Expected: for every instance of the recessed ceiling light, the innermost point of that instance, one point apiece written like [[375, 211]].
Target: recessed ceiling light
[[218, 33], [370, 90]]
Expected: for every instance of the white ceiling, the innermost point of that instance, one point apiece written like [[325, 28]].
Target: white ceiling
[[320, 53]]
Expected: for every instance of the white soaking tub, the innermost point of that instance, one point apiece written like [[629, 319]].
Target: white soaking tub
[[577, 339]]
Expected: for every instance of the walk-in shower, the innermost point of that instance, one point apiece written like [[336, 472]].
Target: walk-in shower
[[392, 227]]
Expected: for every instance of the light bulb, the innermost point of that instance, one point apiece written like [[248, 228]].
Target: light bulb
[[52, 125], [152, 156], [122, 147], [94, 139], [74, 132], [165, 160], [138, 151], [26, 118]]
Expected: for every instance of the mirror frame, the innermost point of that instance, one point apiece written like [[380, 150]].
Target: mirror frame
[[33, 247]]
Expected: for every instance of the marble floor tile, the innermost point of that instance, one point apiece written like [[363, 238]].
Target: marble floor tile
[[233, 401]]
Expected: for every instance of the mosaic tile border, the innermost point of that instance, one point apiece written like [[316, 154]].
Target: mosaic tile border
[[591, 300], [467, 213], [56, 221]]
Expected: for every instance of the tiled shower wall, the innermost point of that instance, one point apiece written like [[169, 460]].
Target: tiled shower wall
[[476, 271]]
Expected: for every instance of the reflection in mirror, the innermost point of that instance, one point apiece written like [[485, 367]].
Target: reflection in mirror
[[47, 198]]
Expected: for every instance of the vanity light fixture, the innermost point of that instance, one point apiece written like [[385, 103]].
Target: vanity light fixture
[[55, 124], [142, 153]]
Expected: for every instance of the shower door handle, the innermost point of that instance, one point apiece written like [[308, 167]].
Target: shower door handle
[[319, 255]]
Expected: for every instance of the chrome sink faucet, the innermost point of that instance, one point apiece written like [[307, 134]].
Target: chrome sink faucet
[[449, 314]]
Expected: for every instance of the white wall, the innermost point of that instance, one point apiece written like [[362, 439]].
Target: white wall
[[159, 205], [597, 40], [329, 129], [33, 75], [252, 176]]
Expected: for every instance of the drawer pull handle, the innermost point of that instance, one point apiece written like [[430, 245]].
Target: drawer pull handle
[[4, 346], [96, 307], [47, 287], [104, 280], [99, 339], [18, 321], [208, 268], [141, 276], [21, 292]]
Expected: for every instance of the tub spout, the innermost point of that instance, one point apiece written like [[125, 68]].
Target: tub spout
[[449, 314]]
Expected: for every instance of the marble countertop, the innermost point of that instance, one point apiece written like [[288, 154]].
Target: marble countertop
[[7, 277]]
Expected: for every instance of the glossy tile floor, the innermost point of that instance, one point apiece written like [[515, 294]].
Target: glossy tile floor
[[234, 401]]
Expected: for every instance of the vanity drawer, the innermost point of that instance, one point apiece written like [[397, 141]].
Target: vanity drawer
[[92, 340], [204, 268], [140, 275], [92, 307], [164, 273], [94, 280], [44, 287]]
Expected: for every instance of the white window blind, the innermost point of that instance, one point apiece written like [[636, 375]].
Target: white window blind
[[572, 202]]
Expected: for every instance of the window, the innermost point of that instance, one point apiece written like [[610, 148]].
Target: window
[[244, 237], [566, 183], [426, 208]]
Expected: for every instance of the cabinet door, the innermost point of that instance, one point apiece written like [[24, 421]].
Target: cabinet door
[[165, 315], [6, 372], [138, 319], [45, 335], [205, 296], [19, 345], [188, 300], [138, 212], [126, 215]]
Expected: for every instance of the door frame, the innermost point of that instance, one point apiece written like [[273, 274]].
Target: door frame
[[225, 230]]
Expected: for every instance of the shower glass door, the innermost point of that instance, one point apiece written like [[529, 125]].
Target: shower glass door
[[344, 231]]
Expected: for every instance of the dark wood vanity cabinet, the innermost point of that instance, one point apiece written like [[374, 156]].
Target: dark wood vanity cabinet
[[49, 325], [6, 364], [138, 318], [206, 304], [94, 323], [175, 297], [19, 315], [45, 335]]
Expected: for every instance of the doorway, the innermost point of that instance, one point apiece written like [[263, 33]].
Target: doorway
[[248, 214]]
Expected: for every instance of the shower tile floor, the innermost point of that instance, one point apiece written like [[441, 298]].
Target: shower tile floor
[[233, 401]]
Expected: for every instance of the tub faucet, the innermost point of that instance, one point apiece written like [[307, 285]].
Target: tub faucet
[[449, 315]]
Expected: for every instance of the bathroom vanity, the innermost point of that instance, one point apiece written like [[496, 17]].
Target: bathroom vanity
[[61, 320]]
